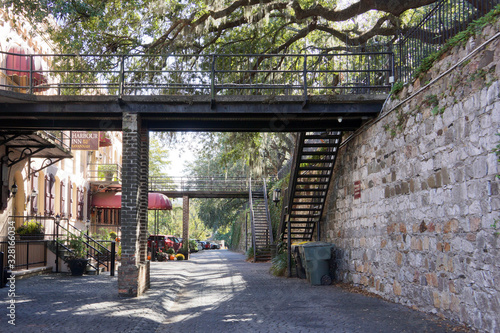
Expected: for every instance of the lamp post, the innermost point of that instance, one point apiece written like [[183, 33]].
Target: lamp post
[[14, 190]]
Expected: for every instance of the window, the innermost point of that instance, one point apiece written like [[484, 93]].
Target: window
[[50, 194], [63, 200], [70, 199], [108, 216], [34, 188], [80, 202]]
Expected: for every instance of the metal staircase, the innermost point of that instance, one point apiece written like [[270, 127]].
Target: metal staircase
[[262, 234], [314, 159], [99, 256]]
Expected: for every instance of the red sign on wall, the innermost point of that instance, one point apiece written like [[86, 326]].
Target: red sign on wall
[[357, 189]]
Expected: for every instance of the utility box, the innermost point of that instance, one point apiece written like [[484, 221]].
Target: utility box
[[315, 257]]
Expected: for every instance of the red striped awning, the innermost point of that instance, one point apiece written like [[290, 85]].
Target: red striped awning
[[114, 200]]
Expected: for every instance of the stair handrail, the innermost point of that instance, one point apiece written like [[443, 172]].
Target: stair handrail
[[87, 241], [288, 195], [252, 217], [268, 215]]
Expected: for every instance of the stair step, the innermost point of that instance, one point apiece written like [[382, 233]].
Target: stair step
[[313, 176], [322, 137], [316, 153], [316, 160], [306, 209]]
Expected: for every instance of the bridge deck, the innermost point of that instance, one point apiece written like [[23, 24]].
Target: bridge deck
[[193, 113]]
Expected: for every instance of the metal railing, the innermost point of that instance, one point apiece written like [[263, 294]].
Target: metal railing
[[442, 21], [28, 253], [60, 138], [192, 184], [31, 251], [104, 172], [214, 75]]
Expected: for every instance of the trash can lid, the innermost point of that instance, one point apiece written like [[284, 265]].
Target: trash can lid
[[313, 244]]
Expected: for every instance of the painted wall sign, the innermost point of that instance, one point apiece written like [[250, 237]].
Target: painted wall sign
[[357, 189], [83, 140]]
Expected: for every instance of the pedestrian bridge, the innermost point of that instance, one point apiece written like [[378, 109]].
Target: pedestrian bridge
[[203, 187], [264, 92]]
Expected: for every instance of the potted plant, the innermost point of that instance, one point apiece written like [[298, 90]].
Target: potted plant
[[171, 254], [31, 230], [77, 260], [107, 171], [161, 256]]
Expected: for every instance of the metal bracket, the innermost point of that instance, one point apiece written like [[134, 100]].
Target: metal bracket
[[45, 164], [25, 153]]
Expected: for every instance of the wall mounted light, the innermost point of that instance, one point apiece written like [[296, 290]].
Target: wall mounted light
[[14, 189]]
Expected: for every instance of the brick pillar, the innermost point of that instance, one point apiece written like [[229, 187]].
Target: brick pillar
[[185, 224], [133, 275]]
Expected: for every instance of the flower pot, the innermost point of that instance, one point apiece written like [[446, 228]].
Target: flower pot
[[32, 236], [77, 266]]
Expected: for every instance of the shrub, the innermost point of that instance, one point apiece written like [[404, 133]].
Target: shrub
[[31, 228], [279, 264]]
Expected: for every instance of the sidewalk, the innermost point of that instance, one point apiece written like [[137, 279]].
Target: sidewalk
[[215, 291]]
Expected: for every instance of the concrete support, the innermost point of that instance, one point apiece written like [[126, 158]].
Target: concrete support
[[185, 224], [133, 276]]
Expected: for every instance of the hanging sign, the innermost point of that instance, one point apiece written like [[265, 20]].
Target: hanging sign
[[83, 140]]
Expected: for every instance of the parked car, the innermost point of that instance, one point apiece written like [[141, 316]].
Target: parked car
[[207, 245], [163, 242], [215, 246]]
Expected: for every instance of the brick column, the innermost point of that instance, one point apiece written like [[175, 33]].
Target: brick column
[[185, 224], [133, 275]]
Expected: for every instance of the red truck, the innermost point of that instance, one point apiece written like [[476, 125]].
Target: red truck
[[163, 242]]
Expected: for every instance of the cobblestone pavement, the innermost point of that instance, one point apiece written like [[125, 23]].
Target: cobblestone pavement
[[215, 291]]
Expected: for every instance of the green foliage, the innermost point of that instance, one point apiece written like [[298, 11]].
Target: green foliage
[[77, 246], [31, 228], [279, 264], [193, 246], [396, 88], [235, 234], [249, 254], [170, 251], [460, 39]]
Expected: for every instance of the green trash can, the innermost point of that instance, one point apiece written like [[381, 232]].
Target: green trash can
[[315, 258]]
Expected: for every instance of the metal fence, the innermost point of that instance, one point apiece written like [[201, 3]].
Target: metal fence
[[214, 75], [442, 21]]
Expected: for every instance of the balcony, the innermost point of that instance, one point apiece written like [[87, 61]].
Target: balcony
[[53, 146], [104, 174]]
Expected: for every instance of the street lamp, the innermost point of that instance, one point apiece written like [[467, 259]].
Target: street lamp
[[58, 219], [276, 196]]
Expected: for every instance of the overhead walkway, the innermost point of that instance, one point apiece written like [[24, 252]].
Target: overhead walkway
[[266, 92]]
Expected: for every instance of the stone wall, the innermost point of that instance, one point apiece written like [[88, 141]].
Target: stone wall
[[422, 233]]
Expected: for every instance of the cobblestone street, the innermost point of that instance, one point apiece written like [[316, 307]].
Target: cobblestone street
[[215, 291]]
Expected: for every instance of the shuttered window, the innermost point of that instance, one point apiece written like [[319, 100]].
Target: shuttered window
[[50, 195], [34, 188], [63, 200]]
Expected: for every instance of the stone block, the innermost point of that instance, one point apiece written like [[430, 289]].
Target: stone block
[[396, 286]]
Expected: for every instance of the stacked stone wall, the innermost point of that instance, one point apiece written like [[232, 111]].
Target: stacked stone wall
[[423, 231]]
